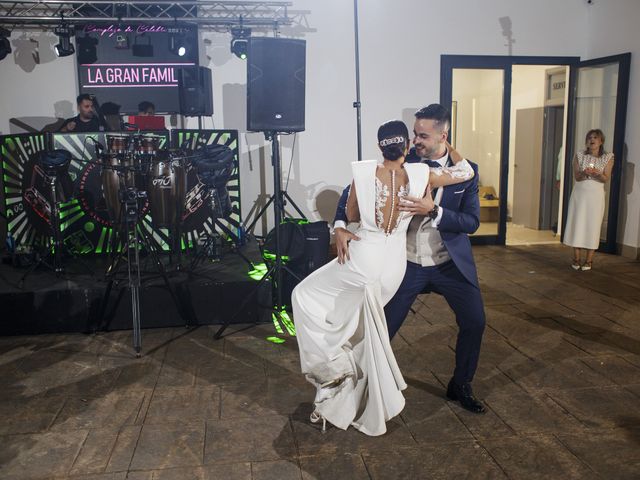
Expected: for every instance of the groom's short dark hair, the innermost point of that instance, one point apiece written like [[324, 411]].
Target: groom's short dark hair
[[436, 112]]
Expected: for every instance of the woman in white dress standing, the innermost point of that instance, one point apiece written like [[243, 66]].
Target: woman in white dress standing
[[338, 310], [591, 170]]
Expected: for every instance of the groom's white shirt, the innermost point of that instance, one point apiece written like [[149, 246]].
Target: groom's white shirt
[[424, 242]]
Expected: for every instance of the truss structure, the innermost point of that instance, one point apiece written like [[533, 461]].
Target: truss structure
[[205, 13]]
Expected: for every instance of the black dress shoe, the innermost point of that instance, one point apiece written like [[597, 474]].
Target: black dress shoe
[[464, 395]]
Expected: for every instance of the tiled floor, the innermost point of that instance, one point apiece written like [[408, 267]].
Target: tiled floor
[[560, 374]]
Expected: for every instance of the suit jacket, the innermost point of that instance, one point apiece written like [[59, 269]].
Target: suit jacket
[[460, 217]]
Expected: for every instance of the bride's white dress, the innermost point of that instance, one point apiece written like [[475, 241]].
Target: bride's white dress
[[339, 316], [338, 309]]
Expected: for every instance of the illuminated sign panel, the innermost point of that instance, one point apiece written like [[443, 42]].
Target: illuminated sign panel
[[134, 63]]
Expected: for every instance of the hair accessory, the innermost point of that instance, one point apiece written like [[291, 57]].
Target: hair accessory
[[391, 141]]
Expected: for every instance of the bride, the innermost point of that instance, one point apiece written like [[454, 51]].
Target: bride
[[338, 310]]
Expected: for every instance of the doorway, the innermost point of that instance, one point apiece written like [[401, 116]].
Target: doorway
[[513, 116], [536, 159]]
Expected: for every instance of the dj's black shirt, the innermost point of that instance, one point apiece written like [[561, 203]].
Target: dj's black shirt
[[92, 125]]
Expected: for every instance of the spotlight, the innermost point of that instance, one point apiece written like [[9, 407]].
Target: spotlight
[[64, 48], [122, 42], [5, 45], [87, 50], [240, 41], [178, 44]]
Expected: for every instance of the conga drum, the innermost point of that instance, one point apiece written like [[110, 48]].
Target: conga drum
[[118, 144], [118, 174], [167, 188], [148, 144]]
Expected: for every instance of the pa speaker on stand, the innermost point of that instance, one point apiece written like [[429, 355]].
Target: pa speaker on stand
[[275, 105], [275, 85]]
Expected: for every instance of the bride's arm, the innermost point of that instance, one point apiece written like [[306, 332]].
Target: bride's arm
[[460, 172], [353, 212]]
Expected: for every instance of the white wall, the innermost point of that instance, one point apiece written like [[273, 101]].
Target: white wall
[[401, 45]]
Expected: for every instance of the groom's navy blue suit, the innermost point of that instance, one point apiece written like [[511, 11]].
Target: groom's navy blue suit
[[456, 280]]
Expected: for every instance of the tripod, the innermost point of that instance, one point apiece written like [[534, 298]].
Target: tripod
[[275, 270], [134, 236]]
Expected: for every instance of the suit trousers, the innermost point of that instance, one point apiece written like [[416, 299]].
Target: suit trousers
[[464, 299]]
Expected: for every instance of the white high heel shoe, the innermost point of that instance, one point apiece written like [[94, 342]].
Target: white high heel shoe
[[315, 418]]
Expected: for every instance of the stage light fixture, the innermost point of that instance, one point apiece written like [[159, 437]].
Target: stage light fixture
[[87, 51], [64, 48], [5, 45], [240, 41], [122, 42], [178, 44]]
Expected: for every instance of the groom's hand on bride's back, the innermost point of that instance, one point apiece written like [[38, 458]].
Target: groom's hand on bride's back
[[343, 237]]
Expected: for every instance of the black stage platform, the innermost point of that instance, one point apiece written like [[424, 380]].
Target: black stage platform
[[71, 303]]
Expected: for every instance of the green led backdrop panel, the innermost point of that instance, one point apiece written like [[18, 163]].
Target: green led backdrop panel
[[25, 209], [85, 223]]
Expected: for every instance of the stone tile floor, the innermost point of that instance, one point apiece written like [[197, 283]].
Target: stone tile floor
[[560, 374]]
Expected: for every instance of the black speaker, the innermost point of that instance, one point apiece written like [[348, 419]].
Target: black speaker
[[195, 85], [275, 84], [305, 248]]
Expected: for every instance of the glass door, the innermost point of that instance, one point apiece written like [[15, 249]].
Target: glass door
[[599, 90], [476, 88], [476, 132]]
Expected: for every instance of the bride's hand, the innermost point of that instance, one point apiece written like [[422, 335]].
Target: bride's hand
[[343, 237], [453, 153], [417, 206]]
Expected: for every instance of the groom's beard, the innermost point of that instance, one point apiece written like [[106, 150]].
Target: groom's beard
[[430, 154]]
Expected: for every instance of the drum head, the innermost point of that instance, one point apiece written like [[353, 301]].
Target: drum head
[[117, 143], [54, 158]]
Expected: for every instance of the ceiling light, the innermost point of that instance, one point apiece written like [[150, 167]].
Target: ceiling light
[[178, 44], [240, 41], [64, 48]]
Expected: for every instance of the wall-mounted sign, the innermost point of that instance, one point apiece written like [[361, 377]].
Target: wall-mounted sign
[[556, 84]]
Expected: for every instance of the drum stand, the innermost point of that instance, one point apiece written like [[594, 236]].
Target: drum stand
[[134, 237], [274, 273]]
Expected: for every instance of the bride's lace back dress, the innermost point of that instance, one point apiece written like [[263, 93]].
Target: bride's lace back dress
[[338, 310]]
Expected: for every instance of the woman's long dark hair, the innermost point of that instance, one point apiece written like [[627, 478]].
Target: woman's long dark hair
[[598, 133]]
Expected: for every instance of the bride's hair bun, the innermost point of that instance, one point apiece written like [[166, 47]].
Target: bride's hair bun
[[393, 139]]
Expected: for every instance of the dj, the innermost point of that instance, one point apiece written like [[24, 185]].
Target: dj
[[146, 109], [87, 119]]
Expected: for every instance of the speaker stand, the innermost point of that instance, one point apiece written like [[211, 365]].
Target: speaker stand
[[280, 197], [274, 273]]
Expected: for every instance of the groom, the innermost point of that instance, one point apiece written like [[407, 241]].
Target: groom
[[438, 252]]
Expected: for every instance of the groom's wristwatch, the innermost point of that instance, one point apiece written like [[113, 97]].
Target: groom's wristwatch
[[433, 213]]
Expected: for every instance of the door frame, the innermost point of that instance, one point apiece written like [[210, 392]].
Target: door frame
[[619, 129], [504, 63]]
